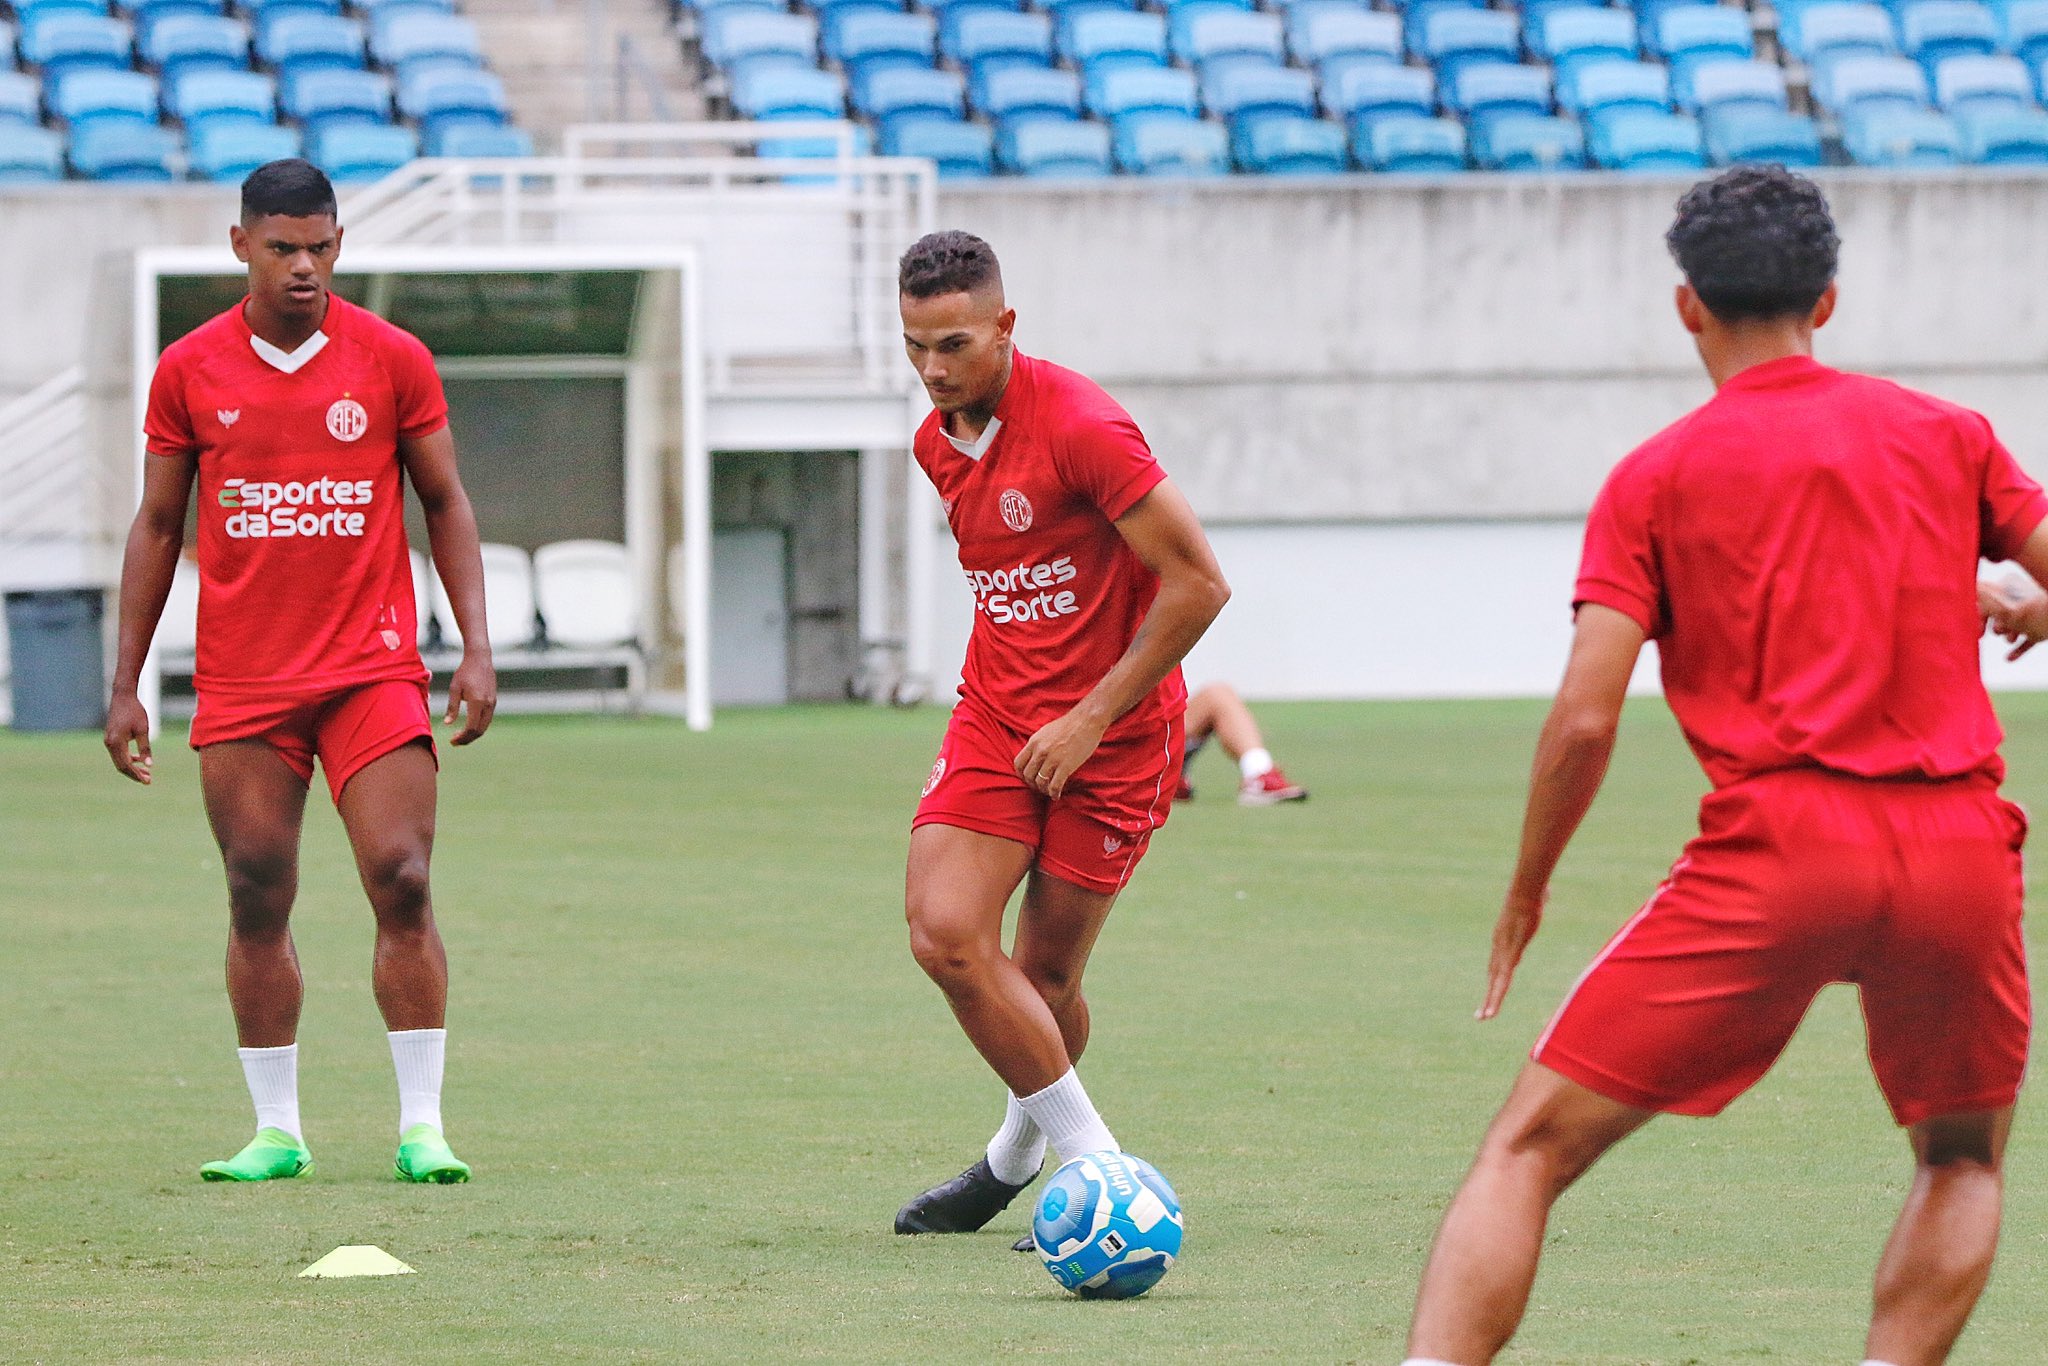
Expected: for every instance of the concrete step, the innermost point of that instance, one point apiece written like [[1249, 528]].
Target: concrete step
[[561, 61]]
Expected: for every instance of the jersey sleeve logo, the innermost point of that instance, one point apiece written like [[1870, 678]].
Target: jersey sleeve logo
[[938, 772], [347, 420], [228, 416], [1016, 510]]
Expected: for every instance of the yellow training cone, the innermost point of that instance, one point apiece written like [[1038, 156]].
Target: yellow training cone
[[358, 1259]]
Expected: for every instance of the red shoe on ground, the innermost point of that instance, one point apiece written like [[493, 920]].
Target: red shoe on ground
[[1270, 789], [1183, 790]]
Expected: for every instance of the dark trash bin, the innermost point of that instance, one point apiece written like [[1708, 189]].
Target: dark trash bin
[[54, 658]]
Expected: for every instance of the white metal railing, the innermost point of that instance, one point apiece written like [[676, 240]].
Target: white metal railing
[[47, 484], [799, 251]]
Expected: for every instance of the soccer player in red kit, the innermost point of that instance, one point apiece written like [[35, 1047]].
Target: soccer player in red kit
[[1091, 580], [298, 413], [1803, 549]]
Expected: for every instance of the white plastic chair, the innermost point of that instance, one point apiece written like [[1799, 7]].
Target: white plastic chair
[[508, 600], [177, 630], [586, 594]]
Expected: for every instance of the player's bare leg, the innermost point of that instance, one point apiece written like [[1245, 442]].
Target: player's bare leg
[[1217, 710], [1484, 1262], [256, 803], [1939, 1256], [388, 808]]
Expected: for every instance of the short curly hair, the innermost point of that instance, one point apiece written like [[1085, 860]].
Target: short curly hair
[[950, 262], [1755, 242]]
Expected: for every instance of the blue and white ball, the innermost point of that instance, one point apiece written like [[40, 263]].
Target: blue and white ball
[[1108, 1226]]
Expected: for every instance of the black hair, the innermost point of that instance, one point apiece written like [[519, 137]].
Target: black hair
[[292, 188], [1755, 243], [950, 262]]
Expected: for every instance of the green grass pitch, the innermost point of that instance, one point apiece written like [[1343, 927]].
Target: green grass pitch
[[697, 1070]]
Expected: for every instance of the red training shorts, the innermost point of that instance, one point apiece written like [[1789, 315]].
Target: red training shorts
[[1098, 829], [1910, 890], [347, 730]]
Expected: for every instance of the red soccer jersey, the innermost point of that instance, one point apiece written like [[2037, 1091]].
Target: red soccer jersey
[[304, 581], [1058, 595], [1803, 548]]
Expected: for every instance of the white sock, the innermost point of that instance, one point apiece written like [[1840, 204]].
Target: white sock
[[1018, 1150], [1068, 1118], [417, 1055], [273, 1077], [1255, 763]]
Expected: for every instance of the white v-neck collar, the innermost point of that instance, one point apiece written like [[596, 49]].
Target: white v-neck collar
[[291, 362], [976, 449]]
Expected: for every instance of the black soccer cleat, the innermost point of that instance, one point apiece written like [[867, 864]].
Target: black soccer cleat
[[1025, 1244], [961, 1205]]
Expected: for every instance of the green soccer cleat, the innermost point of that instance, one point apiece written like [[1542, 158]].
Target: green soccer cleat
[[273, 1155], [423, 1155]]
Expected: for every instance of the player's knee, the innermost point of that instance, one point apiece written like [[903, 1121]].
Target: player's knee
[[398, 883], [945, 953], [260, 884], [1058, 983]]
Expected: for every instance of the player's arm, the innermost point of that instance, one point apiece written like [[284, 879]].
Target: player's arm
[[1162, 531], [2019, 611], [1571, 759], [458, 558], [155, 540]]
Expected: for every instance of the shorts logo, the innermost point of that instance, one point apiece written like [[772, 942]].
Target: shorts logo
[[389, 637], [347, 420], [1016, 510], [228, 416], [1110, 844], [947, 503], [938, 772]]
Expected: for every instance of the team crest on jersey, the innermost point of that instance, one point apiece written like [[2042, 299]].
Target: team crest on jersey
[[1016, 510], [938, 772], [228, 416], [347, 420]]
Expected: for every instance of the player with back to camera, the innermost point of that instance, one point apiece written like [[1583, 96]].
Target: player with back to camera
[[1091, 580], [297, 413], [1803, 549]]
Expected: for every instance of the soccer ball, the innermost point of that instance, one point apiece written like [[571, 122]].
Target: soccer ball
[[1108, 1226]]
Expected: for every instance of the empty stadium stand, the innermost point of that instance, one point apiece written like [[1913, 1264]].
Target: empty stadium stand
[[160, 90]]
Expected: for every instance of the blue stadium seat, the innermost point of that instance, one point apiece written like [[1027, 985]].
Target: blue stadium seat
[[29, 154], [1158, 144], [178, 43], [125, 150], [90, 95], [9, 58], [1870, 82], [1217, 34], [1452, 38], [1374, 91], [303, 42], [1115, 38], [1528, 142], [21, 98], [229, 151], [201, 97], [444, 96], [262, 11], [902, 94], [1894, 136], [412, 37], [2026, 30], [143, 13], [31, 12], [1726, 83], [1745, 132], [2041, 80], [1982, 82], [1932, 30], [1065, 12], [1024, 92], [1595, 92], [742, 33], [479, 140], [1580, 35], [832, 13], [1289, 144], [869, 40], [360, 151], [789, 92], [1416, 14], [951, 12], [1055, 149], [2003, 137], [1321, 30], [1836, 28], [1131, 91], [962, 151], [1251, 90], [1688, 36], [65, 41], [1483, 94], [1410, 144], [1636, 139], [982, 40], [325, 98]]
